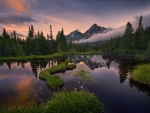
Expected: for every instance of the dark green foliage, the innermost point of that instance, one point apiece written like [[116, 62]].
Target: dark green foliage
[[61, 42], [74, 102], [139, 35], [35, 44], [130, 43]]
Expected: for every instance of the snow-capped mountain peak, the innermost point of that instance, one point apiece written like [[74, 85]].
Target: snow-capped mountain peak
[[94, 29]]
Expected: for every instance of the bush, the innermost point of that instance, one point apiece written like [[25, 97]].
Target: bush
[[74, 102]]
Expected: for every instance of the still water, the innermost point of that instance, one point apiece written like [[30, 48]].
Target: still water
[[20, 85]]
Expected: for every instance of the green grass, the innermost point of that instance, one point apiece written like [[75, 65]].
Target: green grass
[[44, 57], [87, 53], [26, 58], [55, 80], [141, 74], [64, 102], [140, 56]]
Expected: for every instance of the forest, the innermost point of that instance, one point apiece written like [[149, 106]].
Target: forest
[[132, 42]]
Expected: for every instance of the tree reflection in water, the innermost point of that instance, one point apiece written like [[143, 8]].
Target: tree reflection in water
[[36, 65]]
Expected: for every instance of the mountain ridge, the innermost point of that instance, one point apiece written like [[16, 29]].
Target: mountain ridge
[[76, 35]]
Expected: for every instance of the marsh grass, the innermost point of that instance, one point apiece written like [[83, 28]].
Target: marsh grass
[[64, 102], [88, 53], [40, 57], [44, 57], [55, 80], [141, 74]]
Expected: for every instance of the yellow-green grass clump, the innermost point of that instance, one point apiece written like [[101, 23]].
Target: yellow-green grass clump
[[141, 74], [55, 80]]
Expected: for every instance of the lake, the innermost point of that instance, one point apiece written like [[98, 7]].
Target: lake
[[20, 84]]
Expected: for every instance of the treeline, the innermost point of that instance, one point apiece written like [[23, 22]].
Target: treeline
[[34, 44], [131, 42]]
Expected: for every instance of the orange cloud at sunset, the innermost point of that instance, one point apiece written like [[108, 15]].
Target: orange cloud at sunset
[[18, 5]]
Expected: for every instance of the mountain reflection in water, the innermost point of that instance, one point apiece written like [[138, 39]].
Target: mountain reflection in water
[[18, 86]]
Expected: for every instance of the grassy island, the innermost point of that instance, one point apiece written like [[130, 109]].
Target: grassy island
[[55, 80], [141, 74]]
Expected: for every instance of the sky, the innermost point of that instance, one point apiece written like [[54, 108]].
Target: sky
[[70, 15]]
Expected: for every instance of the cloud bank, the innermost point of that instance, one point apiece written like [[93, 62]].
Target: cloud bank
[[16, 19], [117, 31]]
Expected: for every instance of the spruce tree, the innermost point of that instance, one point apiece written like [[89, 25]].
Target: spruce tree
[[128, 37], [139, 35]]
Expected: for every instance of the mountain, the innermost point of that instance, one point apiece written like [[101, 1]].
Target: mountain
[[94, 29], [75, 35]]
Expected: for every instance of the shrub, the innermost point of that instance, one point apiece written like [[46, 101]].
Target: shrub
[[74, 102]]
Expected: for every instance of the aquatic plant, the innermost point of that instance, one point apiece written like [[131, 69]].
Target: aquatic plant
[[83, 75]]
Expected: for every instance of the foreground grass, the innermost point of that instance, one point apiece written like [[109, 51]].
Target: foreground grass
[[64, 102], [141, 74], [55, 80]]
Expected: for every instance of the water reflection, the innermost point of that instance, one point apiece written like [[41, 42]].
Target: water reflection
[[139, 87], [87, 59], [19, 87], [124, 66], [113, 86], [36, 65]]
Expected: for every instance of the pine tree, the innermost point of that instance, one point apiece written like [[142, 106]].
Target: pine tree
[[51, 35], [129, 42], [4, 34], [14, 34], [139, 35], [63, 41]]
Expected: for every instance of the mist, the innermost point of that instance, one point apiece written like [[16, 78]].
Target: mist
[[117, 31]]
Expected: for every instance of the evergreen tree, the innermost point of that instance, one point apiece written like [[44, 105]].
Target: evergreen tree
[[14, 34], [51, 35], [4, 34], [139, 35], [63, 41], [129, 42]]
